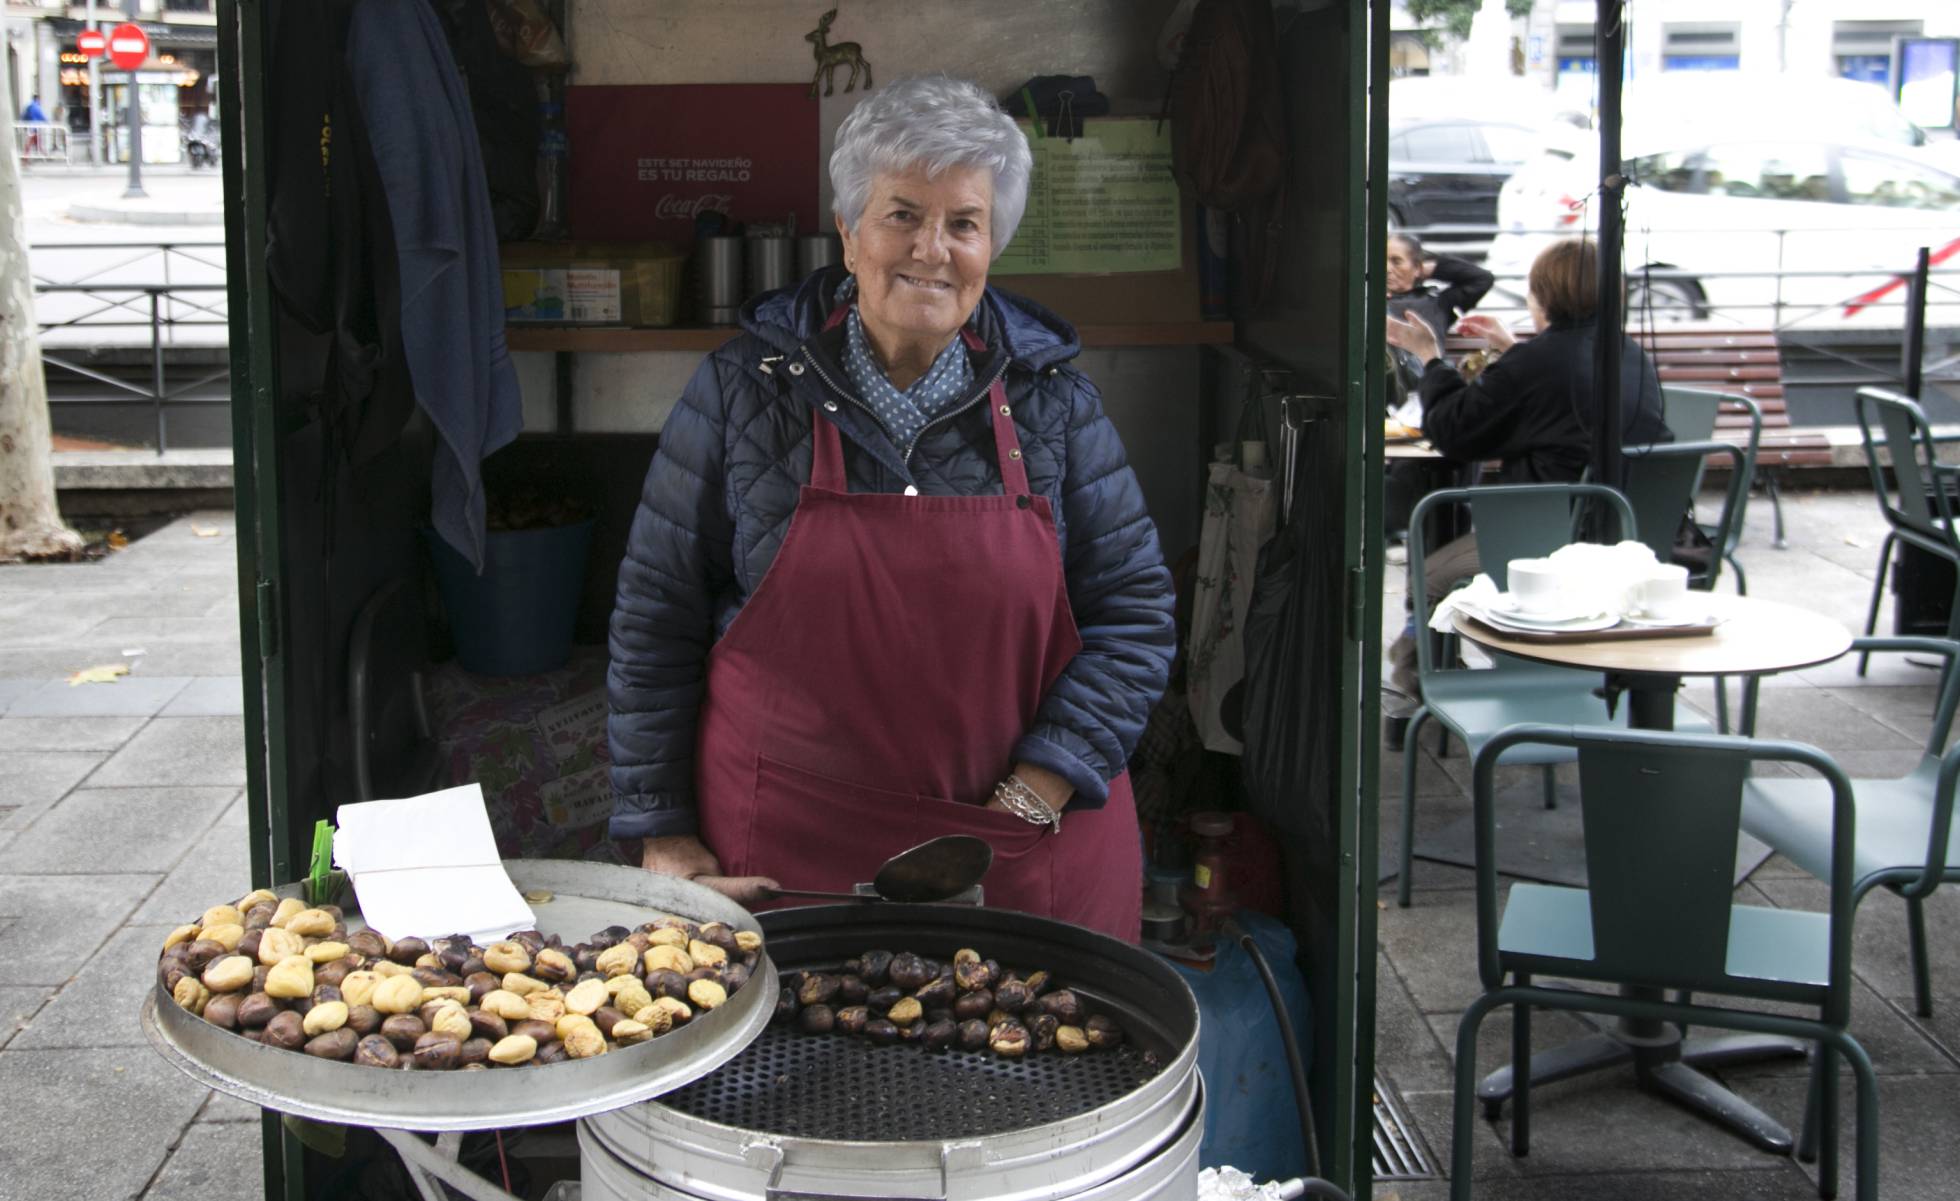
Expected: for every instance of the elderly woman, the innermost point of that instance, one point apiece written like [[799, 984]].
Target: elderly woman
[[891, 577]]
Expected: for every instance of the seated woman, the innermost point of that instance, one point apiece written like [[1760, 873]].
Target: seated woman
[[1439, 289], [1533, 408]]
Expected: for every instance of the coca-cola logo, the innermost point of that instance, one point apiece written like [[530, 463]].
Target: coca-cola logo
[[686, 208]]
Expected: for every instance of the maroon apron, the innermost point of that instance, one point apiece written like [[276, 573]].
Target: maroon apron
[[870, 693]]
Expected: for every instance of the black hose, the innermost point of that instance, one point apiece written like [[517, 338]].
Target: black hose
[[1292, 1045]]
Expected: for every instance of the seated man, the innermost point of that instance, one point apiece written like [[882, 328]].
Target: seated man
[[1533, 408]]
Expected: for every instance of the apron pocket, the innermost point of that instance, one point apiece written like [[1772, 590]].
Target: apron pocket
[[816, 831]]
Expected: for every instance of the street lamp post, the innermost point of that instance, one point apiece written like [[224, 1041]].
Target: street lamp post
[[94, 99]]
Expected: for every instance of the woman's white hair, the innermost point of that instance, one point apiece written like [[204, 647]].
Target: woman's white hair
[[935, 122]]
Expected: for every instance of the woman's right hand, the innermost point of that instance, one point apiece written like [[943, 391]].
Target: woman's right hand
[[1482, 325], [686, 856]]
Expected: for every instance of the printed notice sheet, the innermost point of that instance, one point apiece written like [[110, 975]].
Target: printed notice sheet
[[1103, 202]]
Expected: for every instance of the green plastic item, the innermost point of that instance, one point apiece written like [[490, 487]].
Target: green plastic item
[[1662, 816], [323, 880], [1905, 839]]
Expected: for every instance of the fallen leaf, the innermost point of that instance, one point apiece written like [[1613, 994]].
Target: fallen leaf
[[117, 540], [1850, 541], [205, 531], [107, 673]]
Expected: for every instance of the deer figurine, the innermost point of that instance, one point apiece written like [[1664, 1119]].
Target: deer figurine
[[830, 57]]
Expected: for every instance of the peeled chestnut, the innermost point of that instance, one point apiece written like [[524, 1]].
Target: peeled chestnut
[[1064, 1005], [1102, 1032], [971, 974], [402, 1029], [976, 1004], [1038, 983], [909, 972], [940, 1035], [851, 1019], [375, 1051], [973, 1034], [554, 966], [334, 1044], [1071, 1039], [881, 1031], [816, 1019], [905, 1011]]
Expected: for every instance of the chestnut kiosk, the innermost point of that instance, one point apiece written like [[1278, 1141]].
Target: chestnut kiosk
[[315, 538]]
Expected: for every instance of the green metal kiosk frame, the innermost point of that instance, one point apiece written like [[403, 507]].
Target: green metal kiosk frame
[[1321, 325]]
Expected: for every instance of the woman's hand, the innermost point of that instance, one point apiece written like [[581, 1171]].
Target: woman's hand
[[1490, 329], [688, 857], [1415, 336], [1048, 785]]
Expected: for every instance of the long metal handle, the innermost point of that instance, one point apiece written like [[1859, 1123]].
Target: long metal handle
[[772, 893]]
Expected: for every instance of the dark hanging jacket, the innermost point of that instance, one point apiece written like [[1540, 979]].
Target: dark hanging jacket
[[1535, 407], [724, 485]]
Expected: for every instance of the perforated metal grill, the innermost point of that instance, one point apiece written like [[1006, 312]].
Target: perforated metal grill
[[837, 1087]]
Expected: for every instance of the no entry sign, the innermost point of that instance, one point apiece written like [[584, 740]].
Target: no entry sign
[[129, 46], [92, 43]]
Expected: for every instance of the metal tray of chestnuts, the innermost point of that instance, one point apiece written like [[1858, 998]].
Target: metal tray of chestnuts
[[584, 897]]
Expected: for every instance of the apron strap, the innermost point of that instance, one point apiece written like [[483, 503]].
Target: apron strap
[[827, 445]]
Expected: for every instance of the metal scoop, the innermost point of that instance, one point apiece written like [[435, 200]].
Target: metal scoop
[[936, 870]]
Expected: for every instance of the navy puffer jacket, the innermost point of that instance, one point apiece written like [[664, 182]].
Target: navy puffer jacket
[[723, 486]]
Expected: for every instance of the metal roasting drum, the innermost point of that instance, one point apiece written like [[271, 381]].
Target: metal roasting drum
[[586, 898], [797, 1117]]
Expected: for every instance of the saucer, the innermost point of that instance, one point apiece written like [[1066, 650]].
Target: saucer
[[1677, 621], [1507, 607], [1504, 623]]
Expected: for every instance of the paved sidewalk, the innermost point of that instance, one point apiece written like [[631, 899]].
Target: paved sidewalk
[[121, 812]]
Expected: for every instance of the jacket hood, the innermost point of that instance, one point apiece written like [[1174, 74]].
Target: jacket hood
[[1035, 338]]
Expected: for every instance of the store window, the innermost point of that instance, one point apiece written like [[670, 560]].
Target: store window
[[1702, 48], [1576, 51], [1887, 182], [1768, 171], [1862, 50]]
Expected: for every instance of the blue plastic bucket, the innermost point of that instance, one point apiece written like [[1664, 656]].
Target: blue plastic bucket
[[516, 619]]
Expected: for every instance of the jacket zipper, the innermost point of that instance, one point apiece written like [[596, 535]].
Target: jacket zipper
[[906, 457]]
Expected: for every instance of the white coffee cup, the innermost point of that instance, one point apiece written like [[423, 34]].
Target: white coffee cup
[[1662, 593], [1539, 586]]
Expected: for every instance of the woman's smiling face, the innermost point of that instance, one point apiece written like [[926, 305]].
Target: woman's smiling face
[[920, 252]]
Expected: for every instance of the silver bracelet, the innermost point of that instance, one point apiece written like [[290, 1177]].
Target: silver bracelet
[[1025, 803]]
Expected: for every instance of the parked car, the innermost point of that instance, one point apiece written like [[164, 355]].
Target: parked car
[[1448, 171], [1724, 213]]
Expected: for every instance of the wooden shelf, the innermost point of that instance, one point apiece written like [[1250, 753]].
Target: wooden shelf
[[701, 339]]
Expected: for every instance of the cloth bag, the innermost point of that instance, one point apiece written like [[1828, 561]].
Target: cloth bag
[[1241, 510]]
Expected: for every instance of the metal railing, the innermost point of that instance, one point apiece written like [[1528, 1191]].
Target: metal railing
[[41, 141], [96, 303]]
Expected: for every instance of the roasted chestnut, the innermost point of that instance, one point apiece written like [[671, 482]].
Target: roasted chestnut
[[334, 1044], [816, 1019], [909, 972], [971, 974], [940, 1035], [257, 1009], [1102, 1032], [818, 988], [786, 1006], [1012, 996], [402, 1029], [374, 1051], [363, 1020], [668, 983], [1009, 1040], [406, 950], [880, 1031], [437, 1053], [874, 966], [976, 1004], [851, 1019], [851, 989], [1041, 1029], [973, 1035], [882, 999], [1063, 1005], [937, 992]]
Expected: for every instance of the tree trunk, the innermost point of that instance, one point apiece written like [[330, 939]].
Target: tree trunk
[[30, 525]]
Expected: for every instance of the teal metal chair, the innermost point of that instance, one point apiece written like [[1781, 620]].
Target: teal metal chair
[[1692, 415], [1661, 821], [1661, 483], [1521, 521], [1916, 506], [1905, 838]]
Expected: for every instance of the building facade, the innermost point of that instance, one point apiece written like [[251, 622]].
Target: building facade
[[42, 59]]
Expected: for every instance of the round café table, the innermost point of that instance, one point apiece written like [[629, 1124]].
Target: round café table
[[1755, 637]]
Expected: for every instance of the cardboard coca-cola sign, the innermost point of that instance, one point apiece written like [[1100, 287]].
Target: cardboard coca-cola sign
[[646, 160]]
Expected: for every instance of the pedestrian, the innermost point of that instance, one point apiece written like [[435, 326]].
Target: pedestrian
[[33, 115], [34, 111]]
